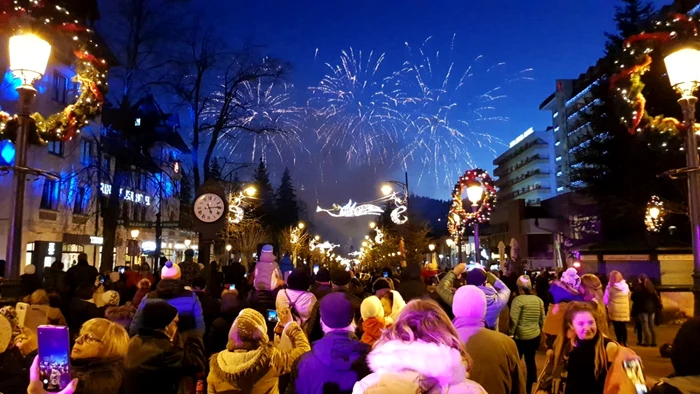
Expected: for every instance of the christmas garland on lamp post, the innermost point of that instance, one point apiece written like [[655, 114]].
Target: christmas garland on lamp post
[[48, 19], [459, 217], [635, 60]]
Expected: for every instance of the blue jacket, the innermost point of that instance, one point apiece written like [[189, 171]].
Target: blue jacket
[[561, 292], [335, 363], [286, 264], [189, 309]]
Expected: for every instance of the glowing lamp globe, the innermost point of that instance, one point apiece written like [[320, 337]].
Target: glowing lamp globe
[[301, 225], [250, 191], [317, 237], [683, 68], [387, 189], [431, 247], [188, 242], [29, 56], [372, 225], [135, 233], [450, 243], [475, 192], [228, 248], [654, 212]]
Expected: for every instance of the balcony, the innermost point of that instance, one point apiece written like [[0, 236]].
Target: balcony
[[523, 191], [515, 153], [521, 178], [501, 172]]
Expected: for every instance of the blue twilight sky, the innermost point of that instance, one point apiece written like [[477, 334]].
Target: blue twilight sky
[[556, 38]]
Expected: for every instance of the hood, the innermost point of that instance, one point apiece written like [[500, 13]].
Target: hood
[[621, 287], [428, 359], [684, 384], [397, 305], [562, 292], [169, 288], [411, 272], [340, 350], [242, 368]]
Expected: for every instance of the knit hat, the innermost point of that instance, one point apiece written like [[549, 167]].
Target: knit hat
[[170, 271], [248, 329], [470, 302], [5, 333], [381, 283], [30, 269], [298, 279], [476, 277], [110, 298], [323, 275], [144, 284], [571, 278], [267, 254], [371, 307], [340, 277], [114, 277], [336, 310], [524, 282], [158, 314]]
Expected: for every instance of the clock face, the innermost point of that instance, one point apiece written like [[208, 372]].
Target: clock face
[[209, 207]]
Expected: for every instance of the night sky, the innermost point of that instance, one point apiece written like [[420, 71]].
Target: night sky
[[557, 39]]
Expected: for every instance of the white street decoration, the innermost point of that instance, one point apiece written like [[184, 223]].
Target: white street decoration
[[351, 209], [379, 238]]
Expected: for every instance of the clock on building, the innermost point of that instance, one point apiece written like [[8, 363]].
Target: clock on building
[[209, 207]]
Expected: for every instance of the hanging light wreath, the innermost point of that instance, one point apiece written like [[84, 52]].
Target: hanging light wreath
[[459, 218], [635, 60], [654, 217], [49, 19]]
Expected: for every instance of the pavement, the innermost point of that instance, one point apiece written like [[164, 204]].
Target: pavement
[[655, 366]]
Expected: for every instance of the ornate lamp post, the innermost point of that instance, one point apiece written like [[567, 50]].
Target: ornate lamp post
[[683, 68], [29, 56], [475, 192]]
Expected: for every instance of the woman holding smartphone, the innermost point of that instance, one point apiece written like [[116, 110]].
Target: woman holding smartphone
[[97, 358]]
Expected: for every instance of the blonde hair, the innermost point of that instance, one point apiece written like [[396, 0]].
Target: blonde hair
[[615, 277], [566, 339], [592, 288], [115, 339], [39, 297], [425, 320]]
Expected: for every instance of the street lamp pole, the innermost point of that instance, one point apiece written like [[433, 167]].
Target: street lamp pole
[[477, 251]]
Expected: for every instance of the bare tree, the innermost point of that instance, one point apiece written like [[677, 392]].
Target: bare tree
[[293, 240], [245, 237]]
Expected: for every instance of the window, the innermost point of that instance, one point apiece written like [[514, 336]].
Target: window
[[557, 143], [555, 115], [558, 158], [82, 198], [85, 152], [60, 87], [559, 173], [556, 129], [49, 196], [56, 148], [106, 165]]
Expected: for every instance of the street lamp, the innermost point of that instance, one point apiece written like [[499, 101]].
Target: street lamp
[[683, 69], [188, 242], [372, 225], [228, 248], [135, 233], [475, 192], [250, 191], [301, 225], [431, 247], [387, 189], [654, 212], [29, 56]]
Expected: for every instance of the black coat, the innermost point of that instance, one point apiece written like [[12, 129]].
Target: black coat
[[81, 274], [643, 301], [98, 376], [14, 371], [210, 308], [217, 338], [81, 311], [155, 365], [412, 285], [30, 283]]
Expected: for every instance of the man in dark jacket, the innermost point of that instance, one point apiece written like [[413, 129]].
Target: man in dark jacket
[[338, 360], [210, 305], [190, 269], [153, 363], [340, 281], [171, 290], [81, 274], [322, 286], [412, 285]]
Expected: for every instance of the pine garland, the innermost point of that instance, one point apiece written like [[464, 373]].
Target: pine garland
[[459, 218]]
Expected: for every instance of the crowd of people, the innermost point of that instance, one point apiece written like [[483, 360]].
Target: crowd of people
[[276, 328]]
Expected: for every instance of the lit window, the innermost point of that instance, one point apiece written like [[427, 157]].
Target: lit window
[[60, 87], [560, 189], [85, 152], [49, 196], [82, 198], [556, 129], [56, 148], [555, 115], [137, 123], [559, 173], [557, 143], [558, 158]]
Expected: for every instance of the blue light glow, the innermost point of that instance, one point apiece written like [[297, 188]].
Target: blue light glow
[[7, 152], [9, 86]]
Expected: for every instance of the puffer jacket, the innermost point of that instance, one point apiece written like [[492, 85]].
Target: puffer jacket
[[416, 367], [189, 309], [267, 276], [255, 371], [617, 299], [562, 294]]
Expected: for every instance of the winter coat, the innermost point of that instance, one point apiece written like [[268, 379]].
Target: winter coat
[[677, 385], [617, 299], [14, 371], [55, 280], [98, 375], [643, 300], [372, 329], [497, 296], [496, 361], [154, 364], [334, 364], [188, 307], [234, 273], [413, 367], [267, 276], [562, 294], [255, 371], [189, 270], [210, 308], [217, 338], [321, 289], [79, 312], [303, 302], [30, 283], [286, 264], [412, 285], [141, 293], [527, 317], [81, 274]]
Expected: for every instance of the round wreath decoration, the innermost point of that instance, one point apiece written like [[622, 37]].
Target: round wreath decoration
[[52, 20], [626, 85], [459, 217]]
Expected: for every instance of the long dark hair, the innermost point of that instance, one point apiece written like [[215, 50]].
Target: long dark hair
[[647, 283]]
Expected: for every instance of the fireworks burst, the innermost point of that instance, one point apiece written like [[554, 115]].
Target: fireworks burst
[[354, 111]]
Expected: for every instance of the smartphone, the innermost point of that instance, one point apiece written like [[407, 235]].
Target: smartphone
[[21, 309], [122, 270], [102, 279], [315, 269], [633, 368], [54, 357], [386, 274], [232, 287], [272, 316]]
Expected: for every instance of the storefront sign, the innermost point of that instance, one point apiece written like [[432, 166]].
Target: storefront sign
[[675, 257], [128, 195], [589, 257], [626, 257], [52, 249], [96, 240]]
